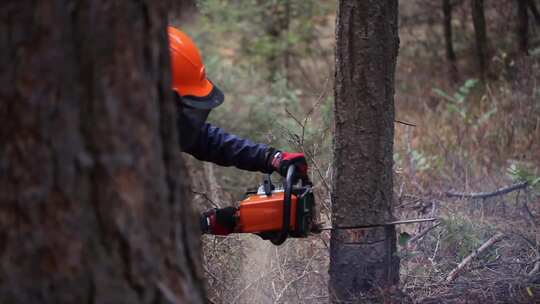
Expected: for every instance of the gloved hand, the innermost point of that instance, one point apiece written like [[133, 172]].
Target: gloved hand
[[218, 221], [281, 161]]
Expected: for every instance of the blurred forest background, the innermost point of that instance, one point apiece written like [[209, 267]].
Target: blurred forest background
[[468, 104]]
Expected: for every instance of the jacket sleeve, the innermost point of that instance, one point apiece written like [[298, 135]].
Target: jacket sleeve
[[215, 145]]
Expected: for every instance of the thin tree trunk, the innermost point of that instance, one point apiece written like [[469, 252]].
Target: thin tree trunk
[[534, 10], [523, 27], [287, 51], [184, 10], [273, 28], [92, 204], [479, 23], [450, 54], [363, 261]]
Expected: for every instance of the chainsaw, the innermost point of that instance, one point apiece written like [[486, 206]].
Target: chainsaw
[[277, 213]]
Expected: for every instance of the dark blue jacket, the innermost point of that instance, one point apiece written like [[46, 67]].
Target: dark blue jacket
[[209, 143]]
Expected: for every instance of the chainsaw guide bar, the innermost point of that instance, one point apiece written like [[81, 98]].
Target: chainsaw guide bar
[[400, 222]]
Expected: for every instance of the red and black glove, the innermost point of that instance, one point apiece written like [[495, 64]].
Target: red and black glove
[[281, 161], [218, 221]]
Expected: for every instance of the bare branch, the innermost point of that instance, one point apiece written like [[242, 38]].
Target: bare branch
[[535, 269], [455, 273], [294, 118], [423, 233], [298, 278], [320, 99], [206, 197], [318, 170], [484, 195], [404, 123]]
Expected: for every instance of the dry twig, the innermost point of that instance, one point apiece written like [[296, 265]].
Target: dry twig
[[423, 233], [296, 279], [205, 197], [484, 195], [405, 123], [455, 273]]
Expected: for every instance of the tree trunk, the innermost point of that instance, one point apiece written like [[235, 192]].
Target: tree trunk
[[287, 51], [534, 11], [523, 27], [367, 43], [183, 11], [450, 54], [276, 24], [92, 203], [479, 23]]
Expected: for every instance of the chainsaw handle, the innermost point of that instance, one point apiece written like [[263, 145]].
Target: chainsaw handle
[[290, 180]]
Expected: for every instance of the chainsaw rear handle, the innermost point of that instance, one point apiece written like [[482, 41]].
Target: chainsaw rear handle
[[290, 180]]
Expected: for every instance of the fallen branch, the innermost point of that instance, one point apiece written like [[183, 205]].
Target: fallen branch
[[455, 273], [404, 123], [535, 269], [484, 195]]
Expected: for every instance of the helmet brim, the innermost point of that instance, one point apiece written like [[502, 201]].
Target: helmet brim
[[210, 101]]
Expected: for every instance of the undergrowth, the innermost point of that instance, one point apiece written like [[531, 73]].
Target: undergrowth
[[469, 136]]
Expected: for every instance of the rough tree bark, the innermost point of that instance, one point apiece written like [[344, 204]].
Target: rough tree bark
[[92, 203], [450, 54], [366, 50], [479, 23]]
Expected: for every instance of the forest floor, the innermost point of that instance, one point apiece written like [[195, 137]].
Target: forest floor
[[469, 136]]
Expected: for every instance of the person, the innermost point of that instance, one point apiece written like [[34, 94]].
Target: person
[[196, 96]]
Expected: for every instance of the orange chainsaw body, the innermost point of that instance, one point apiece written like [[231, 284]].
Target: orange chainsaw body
[[262, 213]]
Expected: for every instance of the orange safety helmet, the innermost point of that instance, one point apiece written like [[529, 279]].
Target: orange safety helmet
[[188, 74]]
